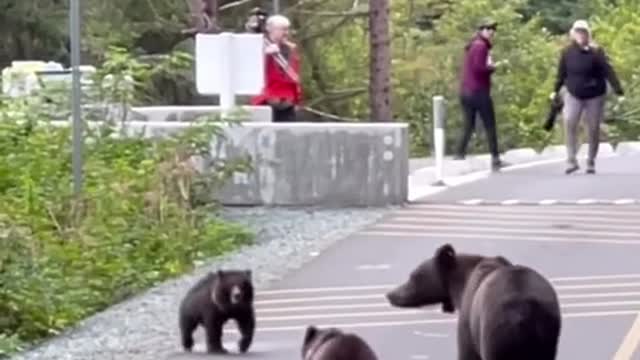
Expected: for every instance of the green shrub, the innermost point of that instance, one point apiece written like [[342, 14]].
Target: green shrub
[[140, 219]]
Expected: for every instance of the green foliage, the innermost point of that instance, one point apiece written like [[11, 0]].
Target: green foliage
[[616, 28], [142, 217]]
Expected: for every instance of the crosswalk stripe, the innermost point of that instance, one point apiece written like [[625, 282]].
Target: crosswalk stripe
[[592, 210], [521, 223], [554, 218], [501, 230], [293, 309], [389, 286], [520, 202], [450, 320], [489, 236]]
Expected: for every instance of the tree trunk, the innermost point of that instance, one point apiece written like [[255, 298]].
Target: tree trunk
[[204, 16], [379, 61]]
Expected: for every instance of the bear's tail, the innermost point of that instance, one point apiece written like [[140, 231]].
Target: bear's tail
[[528, 330]]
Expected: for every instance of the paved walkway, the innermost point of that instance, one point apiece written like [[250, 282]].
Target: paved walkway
[[589, 251]]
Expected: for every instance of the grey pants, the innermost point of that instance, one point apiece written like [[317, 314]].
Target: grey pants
[[593, 111]]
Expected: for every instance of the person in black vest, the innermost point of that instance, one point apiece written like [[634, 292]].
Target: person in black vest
[[583, 70]]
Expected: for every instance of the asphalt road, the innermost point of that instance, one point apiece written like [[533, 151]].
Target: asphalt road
[[589, 251], [617, 179]]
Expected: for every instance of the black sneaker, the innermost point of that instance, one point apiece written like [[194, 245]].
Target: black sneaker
[[458, 157], [496, 165], [591, 167], [573, 167]]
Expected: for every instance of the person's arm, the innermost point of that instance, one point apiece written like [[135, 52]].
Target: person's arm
[[610, 73], [561, 72], [479, 54]]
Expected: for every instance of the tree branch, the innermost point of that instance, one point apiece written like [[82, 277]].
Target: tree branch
[[231, 5], [344, 94], [349, 13]]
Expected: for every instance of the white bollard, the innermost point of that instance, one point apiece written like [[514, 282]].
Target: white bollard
[[439, 114]]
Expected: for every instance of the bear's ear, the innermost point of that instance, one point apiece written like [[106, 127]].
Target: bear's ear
[[220, 273], [446, 256], [447, 307], [309, 334], [503, 260], [247, 273]]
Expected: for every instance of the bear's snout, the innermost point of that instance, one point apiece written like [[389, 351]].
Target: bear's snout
[[393, 298], [236, 295]]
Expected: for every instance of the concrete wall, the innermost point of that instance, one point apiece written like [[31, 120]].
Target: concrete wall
[[324, 164], [189, 113]]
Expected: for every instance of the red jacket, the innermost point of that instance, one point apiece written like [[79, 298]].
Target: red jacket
[[278, 85]]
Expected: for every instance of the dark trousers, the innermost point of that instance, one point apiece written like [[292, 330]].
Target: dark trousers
[[284, 114], [478, 104]]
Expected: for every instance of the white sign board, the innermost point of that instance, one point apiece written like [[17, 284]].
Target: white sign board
[[228, 64]]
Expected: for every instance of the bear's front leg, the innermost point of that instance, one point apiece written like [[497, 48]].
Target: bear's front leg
[[246, 325], [466, 347], [213, 330]]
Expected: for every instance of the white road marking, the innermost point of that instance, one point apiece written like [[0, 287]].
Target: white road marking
[[386, 305], [424, 334], [597, 277], [550, 202], [630, 343], [451, 235], [366, 267], [599, 210], [420, 357], [545, 222], [451, 320], [391, 286], [577, 218], [428, 228], [586, 201], [624, 201], [472, 202]]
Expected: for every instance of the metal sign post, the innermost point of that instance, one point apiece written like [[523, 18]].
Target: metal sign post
[[74, 33]]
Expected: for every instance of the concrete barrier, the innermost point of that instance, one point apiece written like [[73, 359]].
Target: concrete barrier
[[628, 147], [321, 164], [520, 156], [189, 113]]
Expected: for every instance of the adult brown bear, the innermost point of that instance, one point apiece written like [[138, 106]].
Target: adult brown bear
[[506, 311]]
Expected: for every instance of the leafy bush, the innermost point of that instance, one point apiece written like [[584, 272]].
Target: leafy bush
[[140, 219]]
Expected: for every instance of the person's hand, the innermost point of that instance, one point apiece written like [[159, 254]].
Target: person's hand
[[271, 49], [553, 96]]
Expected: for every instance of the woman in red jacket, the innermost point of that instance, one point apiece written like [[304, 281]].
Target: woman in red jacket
[[282, 90]]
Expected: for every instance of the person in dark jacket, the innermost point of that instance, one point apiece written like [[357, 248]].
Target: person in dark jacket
[[583, 70], [475, 91]]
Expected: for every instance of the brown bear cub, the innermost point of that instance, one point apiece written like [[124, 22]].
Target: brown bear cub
[[506, 311], [213, 300], [333, 344]]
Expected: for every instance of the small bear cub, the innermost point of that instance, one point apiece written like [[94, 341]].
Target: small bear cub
[[216, 298]]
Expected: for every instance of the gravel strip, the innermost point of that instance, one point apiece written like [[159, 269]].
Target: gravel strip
[[145, 327]]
